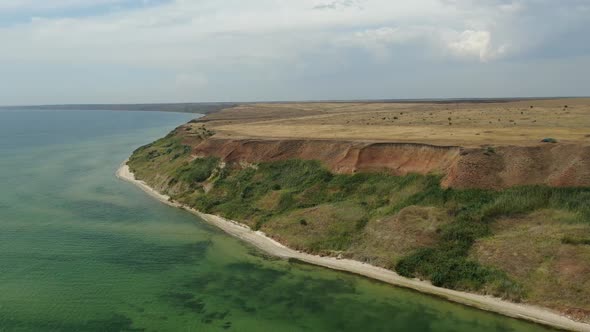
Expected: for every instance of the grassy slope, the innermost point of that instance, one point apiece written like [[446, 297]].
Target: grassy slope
[[407, 223]]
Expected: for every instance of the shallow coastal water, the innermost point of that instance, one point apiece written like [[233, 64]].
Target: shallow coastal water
[[83, 251]]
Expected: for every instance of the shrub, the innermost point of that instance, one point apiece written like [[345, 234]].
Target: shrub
[[549, 140], [361, 223], [575, 241], [198, 170]]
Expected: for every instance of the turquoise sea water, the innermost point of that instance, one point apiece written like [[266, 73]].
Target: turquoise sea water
[[83, 251]]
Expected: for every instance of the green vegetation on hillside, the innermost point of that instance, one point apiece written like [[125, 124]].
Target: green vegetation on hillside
[[307, 207]]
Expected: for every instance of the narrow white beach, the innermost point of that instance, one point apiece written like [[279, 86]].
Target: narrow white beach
[[270, 246]]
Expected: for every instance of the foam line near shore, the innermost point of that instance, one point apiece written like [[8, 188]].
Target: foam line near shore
[[270, 246]]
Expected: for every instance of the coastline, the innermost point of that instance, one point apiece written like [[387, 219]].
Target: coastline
[[261, 241]]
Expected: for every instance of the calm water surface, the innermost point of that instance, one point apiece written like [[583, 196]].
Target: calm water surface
[[83, 251]]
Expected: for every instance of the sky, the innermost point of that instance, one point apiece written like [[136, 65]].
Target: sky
[[149, 51]]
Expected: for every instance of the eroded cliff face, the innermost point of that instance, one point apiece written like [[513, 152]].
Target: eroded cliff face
[[558, 165], [340, 157]]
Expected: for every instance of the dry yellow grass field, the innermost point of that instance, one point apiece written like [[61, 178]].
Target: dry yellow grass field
[[522, 123]]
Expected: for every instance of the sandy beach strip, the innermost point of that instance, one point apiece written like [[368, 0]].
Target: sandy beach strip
[[261, 241]]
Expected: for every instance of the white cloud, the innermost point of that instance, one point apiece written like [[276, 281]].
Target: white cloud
[[269, 38], [379, 36], [339, 4], [467, 44], [378, 41], [187, 33], [478, 44]]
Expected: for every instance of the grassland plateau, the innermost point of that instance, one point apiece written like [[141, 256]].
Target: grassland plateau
[[485, 197]]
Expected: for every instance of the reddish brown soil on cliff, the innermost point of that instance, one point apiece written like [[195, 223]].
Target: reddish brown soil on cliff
[[558, 165], [340, 157], [473, 145], [502, 167]]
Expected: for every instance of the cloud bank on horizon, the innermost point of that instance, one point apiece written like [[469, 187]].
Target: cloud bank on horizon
[[117, 51]]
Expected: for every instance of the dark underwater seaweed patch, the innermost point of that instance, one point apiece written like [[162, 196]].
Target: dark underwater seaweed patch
[[117, 322]]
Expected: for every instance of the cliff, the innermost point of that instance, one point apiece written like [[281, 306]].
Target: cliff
[[408, 207], [558, 165]]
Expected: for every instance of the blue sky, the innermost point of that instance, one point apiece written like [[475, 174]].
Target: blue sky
[[130, 51]]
